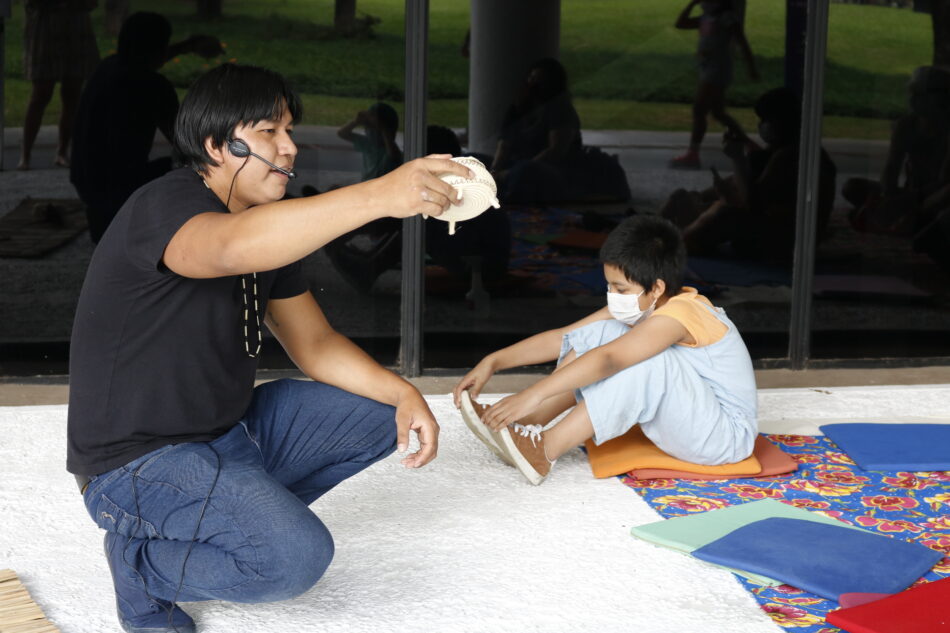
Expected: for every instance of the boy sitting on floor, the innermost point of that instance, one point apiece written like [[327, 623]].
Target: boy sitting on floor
[[657, 355]]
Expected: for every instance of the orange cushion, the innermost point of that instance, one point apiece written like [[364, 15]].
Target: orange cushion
[[774, 461], [634, 450]]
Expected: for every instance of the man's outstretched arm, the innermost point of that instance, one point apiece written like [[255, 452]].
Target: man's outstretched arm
[[272, 235]]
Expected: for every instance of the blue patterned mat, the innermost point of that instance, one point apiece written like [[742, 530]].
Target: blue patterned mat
[[910, 506]]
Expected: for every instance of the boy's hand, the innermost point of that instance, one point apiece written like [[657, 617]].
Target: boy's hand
[[473, 381], [413, 414], [511, 409]]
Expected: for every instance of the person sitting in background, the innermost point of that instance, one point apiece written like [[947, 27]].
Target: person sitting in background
[[540, 157], [483, 241], [539, 151], [377, 144], [916, 161], [364, 254], [125, 101], [756, 207]]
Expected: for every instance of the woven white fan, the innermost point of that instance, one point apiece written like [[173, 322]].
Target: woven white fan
[[478, 193]]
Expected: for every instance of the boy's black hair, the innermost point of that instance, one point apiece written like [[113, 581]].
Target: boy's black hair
[[386, 115], [442, 140], [222, 99], [646, 248]]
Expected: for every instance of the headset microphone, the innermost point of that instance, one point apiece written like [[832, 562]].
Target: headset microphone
[[239, 148]]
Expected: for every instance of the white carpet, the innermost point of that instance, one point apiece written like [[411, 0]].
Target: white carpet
[[462, 545]]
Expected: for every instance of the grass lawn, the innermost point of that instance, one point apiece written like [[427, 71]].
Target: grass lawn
[[629, 68]]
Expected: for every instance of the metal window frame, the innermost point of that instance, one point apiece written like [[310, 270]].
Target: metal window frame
[[413, 230], [809, 160]]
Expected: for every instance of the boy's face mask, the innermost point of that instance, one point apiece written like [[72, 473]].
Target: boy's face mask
[[626, 308]]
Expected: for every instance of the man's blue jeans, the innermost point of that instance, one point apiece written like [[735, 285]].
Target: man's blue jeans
[[257, 540]]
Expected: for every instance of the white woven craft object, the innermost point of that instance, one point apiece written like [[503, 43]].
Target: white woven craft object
[[478, 193]]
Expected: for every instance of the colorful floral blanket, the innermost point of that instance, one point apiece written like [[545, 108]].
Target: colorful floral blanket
[[531, 254], [910, 506]]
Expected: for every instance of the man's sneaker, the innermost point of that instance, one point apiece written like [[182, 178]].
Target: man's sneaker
[[524, 444], [138, 612], [472, 413]]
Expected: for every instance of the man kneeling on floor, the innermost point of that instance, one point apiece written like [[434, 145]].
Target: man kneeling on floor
[[202, 481]]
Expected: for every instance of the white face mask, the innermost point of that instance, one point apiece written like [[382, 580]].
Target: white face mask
[[626, 308]]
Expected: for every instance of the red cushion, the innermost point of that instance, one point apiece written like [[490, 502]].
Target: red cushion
[[921, 609]]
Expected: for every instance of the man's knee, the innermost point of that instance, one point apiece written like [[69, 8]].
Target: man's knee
[[298, 559]]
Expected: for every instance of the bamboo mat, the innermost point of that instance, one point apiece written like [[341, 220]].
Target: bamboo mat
[[18, 612]]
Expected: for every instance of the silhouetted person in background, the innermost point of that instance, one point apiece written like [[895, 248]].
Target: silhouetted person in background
[[540, 157], [719, 26], [59, 46], [377, 143], [755, 212], [364, 254], [122, 106], [539, 150], [916, 165], [484, 241]]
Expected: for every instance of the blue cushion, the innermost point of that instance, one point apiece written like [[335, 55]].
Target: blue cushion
[[826, 560], [907, 447]]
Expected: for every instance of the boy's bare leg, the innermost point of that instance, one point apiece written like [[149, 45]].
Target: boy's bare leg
[[550, 409], [572, 431], [554, 406]]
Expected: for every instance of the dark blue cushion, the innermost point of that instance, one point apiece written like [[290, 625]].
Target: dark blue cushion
[[907, 447], [826, 560]]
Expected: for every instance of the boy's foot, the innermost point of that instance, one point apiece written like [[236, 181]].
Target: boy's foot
[[139, 612], [472, 413], [524, 444], [689, 160]]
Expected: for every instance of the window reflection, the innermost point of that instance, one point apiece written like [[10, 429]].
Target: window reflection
[[679, 111], [881, 274]]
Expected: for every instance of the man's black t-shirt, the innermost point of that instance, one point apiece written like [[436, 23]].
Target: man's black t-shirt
[[157, 358]]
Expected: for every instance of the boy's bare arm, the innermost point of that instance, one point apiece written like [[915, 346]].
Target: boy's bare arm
[[644, 341], [540, 348]]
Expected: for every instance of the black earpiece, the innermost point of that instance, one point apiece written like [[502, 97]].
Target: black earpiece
[[239, 149]]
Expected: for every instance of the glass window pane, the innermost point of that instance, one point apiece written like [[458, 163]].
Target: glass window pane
[[881, 271], [350, 76], [628, 122]]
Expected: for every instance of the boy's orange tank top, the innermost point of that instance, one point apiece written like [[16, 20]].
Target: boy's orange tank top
[[692, 310]]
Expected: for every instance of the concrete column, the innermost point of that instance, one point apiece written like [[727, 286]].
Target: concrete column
[[507, 37]]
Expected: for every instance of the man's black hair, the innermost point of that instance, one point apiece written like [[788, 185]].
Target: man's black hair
[[223, 98], [646, 248], [143, 39]]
